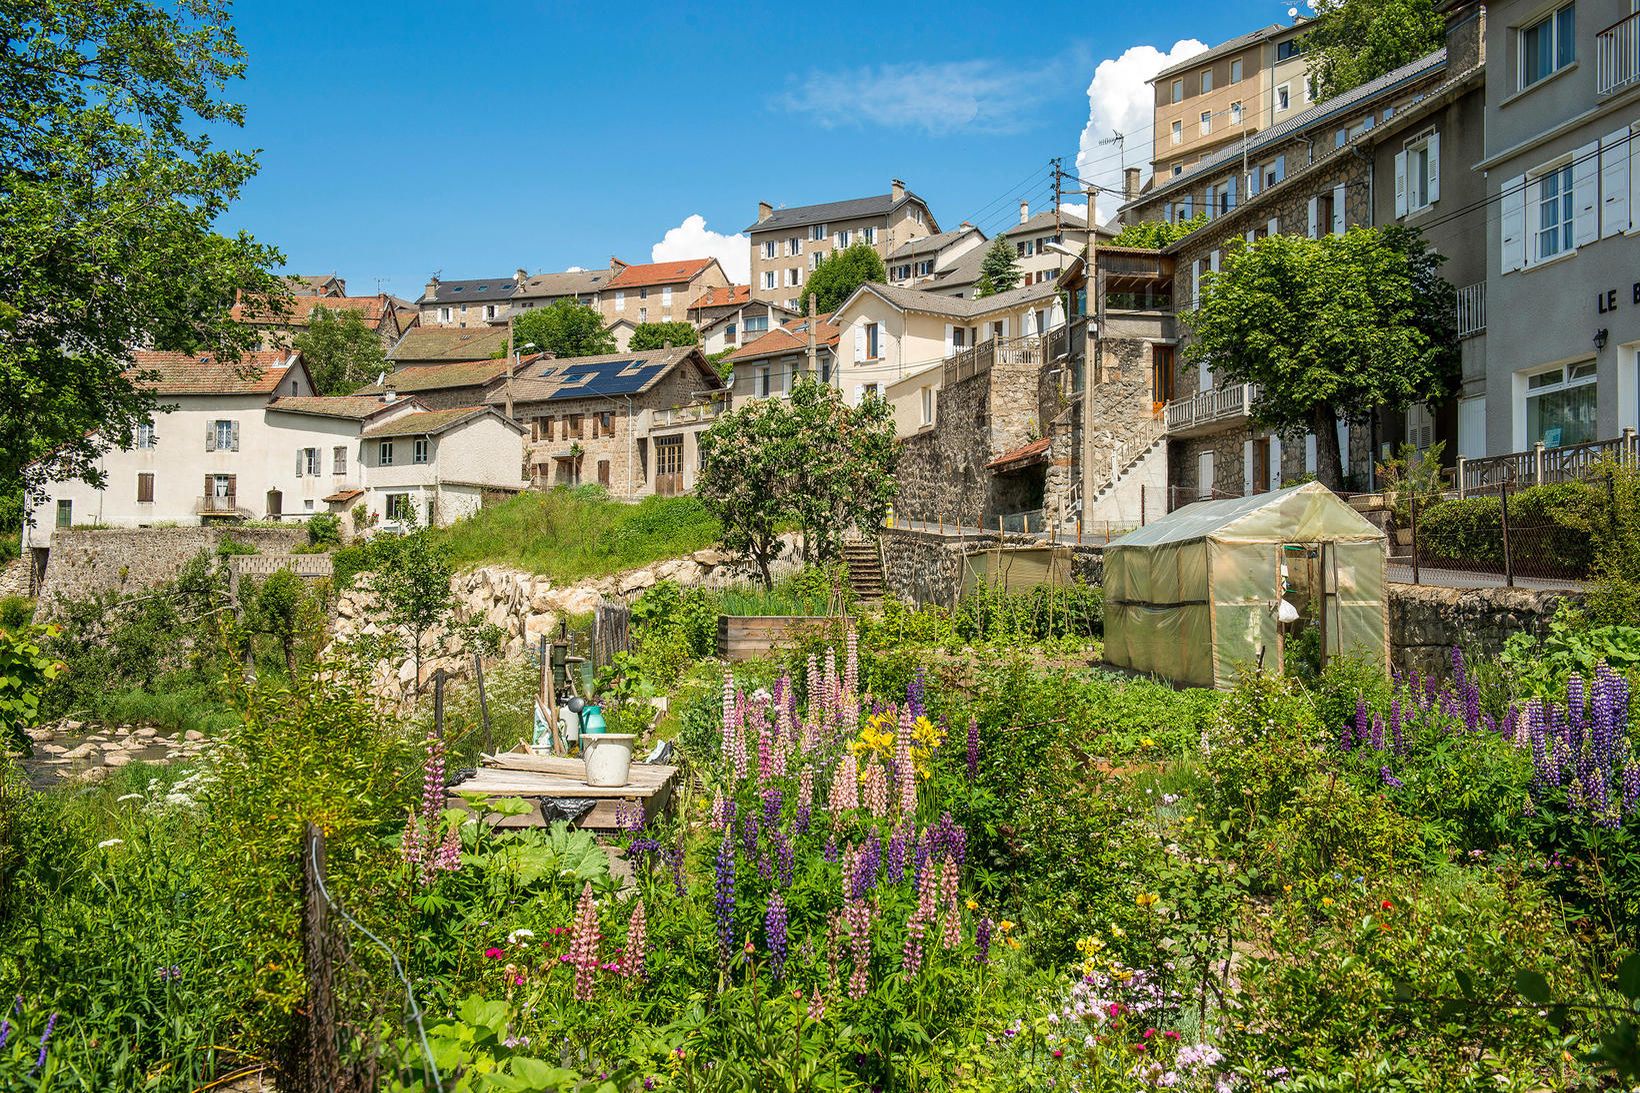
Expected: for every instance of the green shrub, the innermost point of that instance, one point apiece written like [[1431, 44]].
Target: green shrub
[[15, 612], [1551, 524], [324, 529]]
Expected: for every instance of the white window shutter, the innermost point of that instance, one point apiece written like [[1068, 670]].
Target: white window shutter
[[1212, 202], [1614, 183], [1309, 453], [236, 436], [1246, 467], [1312, 214], [1400, 183], [1195, 280], [1338, 210], [859, 344], [210, 436], [1213, 261], [1274, 227], [1434, 167], [1512, 224], [1207, 375], [1005, 328], [1586, 194], [1281, 167], [300, 458], [1275, 462], [1252, 235], [950, 348]]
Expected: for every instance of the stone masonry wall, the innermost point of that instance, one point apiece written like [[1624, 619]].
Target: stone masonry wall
[[1425, 622], [924, 568], [940, 474], [89, 562]]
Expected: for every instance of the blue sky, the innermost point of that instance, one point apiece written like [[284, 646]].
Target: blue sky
[[474, 138]]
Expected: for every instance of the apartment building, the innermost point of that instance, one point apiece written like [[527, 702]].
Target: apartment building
[[485, 301], [1561, 302], [920, 262], [770, 365], [787, 244], [626, 421], [659, 292], [1043, 244], [1232, 91]]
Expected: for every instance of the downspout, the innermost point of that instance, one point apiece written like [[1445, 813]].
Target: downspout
[[631, 449]]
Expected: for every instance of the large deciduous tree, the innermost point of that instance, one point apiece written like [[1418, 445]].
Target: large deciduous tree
[[110, 190], [563, 328], [998, 270], [810, 460], [1353, 41], [840, 273], [1329, 329], [661, 335], [341, 351], [1157, 234]]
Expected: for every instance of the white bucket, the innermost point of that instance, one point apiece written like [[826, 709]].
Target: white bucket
[[608, 757]]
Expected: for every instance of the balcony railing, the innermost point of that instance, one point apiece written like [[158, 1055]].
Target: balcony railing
[[1617, 56], [1541, 465], [979, 359], [687, 415], [1472, 310], [1211, 407], [219, 505]]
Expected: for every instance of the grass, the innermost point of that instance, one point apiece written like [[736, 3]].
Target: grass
[[567, 535], [751, 602], [175, 710]]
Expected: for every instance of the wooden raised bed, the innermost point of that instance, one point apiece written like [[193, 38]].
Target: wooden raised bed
[[742, 637]]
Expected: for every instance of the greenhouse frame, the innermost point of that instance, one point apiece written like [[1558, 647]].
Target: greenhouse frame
[[1196, 597]]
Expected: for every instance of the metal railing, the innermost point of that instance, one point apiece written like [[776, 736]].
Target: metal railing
[[1126, 454], [1540, 464], [1617, 56], [1206, 407], [1472, 310], [687, 415], [211, 504]]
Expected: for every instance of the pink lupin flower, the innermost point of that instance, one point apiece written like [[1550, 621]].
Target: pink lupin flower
[[875, 790], [857, 920], [851, 682], [916, 927], [845, 785], [904, 768], [720, 810], [449, 853], [583, 945], [632, 957], [951, 922], [805, 787], [817, 1006]]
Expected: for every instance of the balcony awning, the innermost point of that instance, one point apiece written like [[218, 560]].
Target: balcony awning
[[1017, 460], [343, 495]]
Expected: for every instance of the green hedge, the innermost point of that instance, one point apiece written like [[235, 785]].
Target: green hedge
[[1554, 525]]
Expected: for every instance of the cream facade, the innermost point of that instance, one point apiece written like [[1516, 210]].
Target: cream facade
[[787, 244], [436, 465]]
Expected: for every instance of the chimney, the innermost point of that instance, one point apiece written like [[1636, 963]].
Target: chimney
[[392, 393], [1024, 211], [964, 226], [896, 189], [432, 287], [1130, 184], [520, 276], [1465, 36], [764, 211]]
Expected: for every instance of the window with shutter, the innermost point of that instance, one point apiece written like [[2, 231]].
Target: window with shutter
[[338, 459], [1338, 210], [1614, 183], [1512, 224], [233, 428], [145, 488], [1586, 194]]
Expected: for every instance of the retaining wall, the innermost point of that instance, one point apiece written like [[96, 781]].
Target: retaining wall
[[91, 561]]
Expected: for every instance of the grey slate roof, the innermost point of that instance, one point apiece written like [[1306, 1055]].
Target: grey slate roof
[[1239, 42], [1347, 103], [931, 244], [801, 216], [577, 283], [915, 299], [483, 290], [1043, 221]]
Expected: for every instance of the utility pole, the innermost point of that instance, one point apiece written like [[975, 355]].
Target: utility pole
[[513, 345], [1058, 196], [814, 369]]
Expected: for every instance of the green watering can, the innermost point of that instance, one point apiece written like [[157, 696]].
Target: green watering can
[[592, 720]]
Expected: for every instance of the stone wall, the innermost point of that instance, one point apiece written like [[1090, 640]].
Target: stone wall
[[924, 568], [941, 473], [88, 562], [1425, 622]]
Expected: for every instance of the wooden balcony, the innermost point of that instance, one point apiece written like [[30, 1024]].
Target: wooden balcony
[[693, 414], [978, 359], [1617, 56], [214, 505], [1209, 410]]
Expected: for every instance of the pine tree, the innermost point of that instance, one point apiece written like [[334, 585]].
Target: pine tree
[[998, 270]]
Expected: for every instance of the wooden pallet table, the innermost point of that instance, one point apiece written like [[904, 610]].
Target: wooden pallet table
[[534, 777]]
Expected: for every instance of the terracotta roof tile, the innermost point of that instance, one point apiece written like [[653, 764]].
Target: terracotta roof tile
[[256, 373], [357, 407], [787, 337], [437, 377], [301, 309], [1029, 453], [729, 296], [660, 273]]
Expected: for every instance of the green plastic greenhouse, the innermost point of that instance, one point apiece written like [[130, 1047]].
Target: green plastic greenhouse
[[1197, 596]]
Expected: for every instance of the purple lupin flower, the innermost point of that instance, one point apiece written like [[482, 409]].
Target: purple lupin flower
[[914, 693], [724, 900], [5, 1032], [898, 845], [1377, 733], [982, 941], [866, 867], [774, 935], [973, 748], [772, 801], [1631, 788], [674, 860], [1396, 740], [1363, 726], [830, 852], [1389, 778], [51, 1025]]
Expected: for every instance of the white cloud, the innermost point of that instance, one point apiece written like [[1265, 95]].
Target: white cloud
[[1119, 100], [939, 97], [693, 239]]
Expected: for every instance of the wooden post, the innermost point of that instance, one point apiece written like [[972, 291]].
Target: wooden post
[[1414, 527], [1141, 504], [483, 704], [438, 703], [321, 1061]]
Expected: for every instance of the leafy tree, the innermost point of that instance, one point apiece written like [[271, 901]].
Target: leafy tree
[[998, 270], [660, 335], [412, 579], [719, 360], [564, 329], [26, 669], [341, 352], [810, 459], [1353, 41], [110, 185], [840, 273], [286, 609], [1157, 234], [1329, 328]]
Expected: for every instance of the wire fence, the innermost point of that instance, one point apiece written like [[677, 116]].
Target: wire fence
[[1518, 547]]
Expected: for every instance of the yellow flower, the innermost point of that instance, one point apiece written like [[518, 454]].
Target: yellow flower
[[1117, 931], [973, 904], [1005, 926], [1147, 742], [1146, 899], [1326, 901], [1286, 888]]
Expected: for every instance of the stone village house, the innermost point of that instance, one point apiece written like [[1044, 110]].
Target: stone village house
[[769, 366], [626, 421]]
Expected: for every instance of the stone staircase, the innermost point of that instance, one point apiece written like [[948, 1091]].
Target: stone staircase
[[865, 569]]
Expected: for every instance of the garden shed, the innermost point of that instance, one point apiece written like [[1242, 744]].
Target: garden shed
[[1197, 597]]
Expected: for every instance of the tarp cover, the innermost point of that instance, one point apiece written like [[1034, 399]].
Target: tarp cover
[[1193, 597]]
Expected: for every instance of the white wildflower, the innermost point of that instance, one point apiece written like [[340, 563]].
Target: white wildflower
[[106, 843]]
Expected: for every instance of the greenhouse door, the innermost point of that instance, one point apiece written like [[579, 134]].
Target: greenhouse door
[[1327, 600]]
